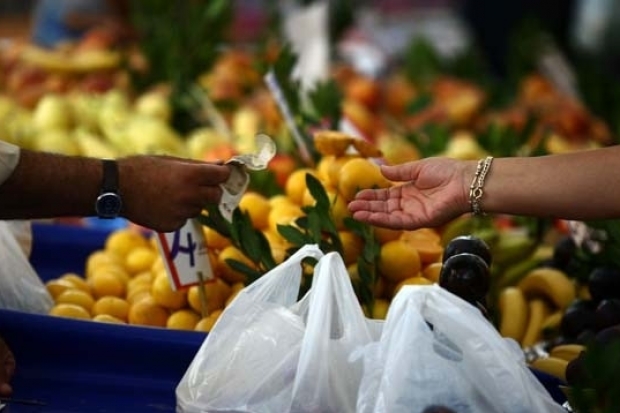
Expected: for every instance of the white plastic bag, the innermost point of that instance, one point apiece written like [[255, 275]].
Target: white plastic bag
[[436, 349], [21, 289], [270, 353]]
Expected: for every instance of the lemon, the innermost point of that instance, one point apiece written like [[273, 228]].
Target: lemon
[[296, 184], [205, 324], [224, 270], [77, 297], [216, 292], [70, 311], [57, 286], [122, 241], [140, 259], [106, 318], [164, 295], [78, 281], [183, 320], [111, 306], [106, 283], [147, 312], [257, 206]]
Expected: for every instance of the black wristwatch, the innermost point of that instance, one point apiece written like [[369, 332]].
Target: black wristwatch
[[109, 203]]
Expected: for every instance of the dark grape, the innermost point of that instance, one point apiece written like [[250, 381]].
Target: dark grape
[[603, 283], [467, 276], [578, 317]]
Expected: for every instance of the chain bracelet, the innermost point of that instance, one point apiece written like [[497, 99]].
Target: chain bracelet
[[476, 189]]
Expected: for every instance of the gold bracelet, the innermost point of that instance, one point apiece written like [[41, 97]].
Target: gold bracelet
[[476, 189]]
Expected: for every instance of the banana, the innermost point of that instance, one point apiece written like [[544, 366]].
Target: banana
[[90, 145], [538, 310], [551, 325], [66, 62], [551, 284], [513, 309], [567, 352], [551, 365]]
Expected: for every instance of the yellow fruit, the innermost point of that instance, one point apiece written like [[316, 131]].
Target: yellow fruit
[[551, 284], [147, 312], [70, 311], [122, 241], [158, 265], [322, 168], [105, 318], [111, 306], [513, 311], [257, 206], [114, 269], [140, 259], [205, 324], [333, 169], [432, 271], [283, 214], [357, 174], [384, 235], [398, 260], [352, 246], [183, 320], [106, 283], [415, 280], [280, 199], [138, 295], [57, 286], [427, 242], [78, 281], [538, 310], [215, 240], [99, 258], [339, 209], [164, 295], [77, 297], [551, 365], [296, 184], [380, 309], [224, 270], [216, 294]]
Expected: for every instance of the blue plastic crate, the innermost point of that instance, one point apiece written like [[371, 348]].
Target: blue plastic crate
[[75, 366]]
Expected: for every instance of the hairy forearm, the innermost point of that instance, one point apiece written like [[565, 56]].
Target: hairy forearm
[[44, 185], [581, 185]]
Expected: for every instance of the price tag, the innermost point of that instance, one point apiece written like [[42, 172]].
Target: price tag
[[185, 255]]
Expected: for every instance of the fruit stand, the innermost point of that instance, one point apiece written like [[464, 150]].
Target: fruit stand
[[119, 336]]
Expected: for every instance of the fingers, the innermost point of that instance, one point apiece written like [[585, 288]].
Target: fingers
[[213, 174]]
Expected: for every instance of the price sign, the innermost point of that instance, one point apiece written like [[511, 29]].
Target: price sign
[[185, 255]]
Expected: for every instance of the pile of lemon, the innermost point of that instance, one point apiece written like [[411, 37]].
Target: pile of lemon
[[125, 282]]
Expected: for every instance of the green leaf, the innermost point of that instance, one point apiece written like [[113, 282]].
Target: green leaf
[[293, 235], [318, 192], [251, 273], [419, 104]]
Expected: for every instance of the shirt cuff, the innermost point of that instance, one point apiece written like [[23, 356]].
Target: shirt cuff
[[9, 157]]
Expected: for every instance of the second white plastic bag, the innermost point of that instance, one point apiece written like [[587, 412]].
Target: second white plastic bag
[[269, 352]]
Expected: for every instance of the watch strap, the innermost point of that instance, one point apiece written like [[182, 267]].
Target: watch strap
[[109, 181]]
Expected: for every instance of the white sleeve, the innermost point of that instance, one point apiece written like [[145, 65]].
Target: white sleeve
[[9, 156]]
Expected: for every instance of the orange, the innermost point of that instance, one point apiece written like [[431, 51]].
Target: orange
[[432, 271], [224, 270], [415, 280], [78, 281], [147, 312], [140, 259], [57, 286], [380, 309], [216, 292], [205, 324], [398, 260], [111, 306], [183, 320], [70, 311], [384, 235], [257, 206], [427, 242], [105, 318], [121, 241], [106, 283], [283, 214], [296, 184], [77, 297], [164, 295], [352, 246], [215, 240], [357, 174]]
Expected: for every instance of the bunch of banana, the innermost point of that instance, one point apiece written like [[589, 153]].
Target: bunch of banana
[[556, 362], [535, 305]]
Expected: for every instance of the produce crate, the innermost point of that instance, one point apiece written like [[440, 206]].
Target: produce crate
[[81, 366]]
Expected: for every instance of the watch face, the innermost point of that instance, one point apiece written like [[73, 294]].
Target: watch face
[[108, 205]]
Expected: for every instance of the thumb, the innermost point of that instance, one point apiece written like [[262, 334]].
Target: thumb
[[402, 172]]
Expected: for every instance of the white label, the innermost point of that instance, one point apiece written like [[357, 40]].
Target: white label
[[185, 255]]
